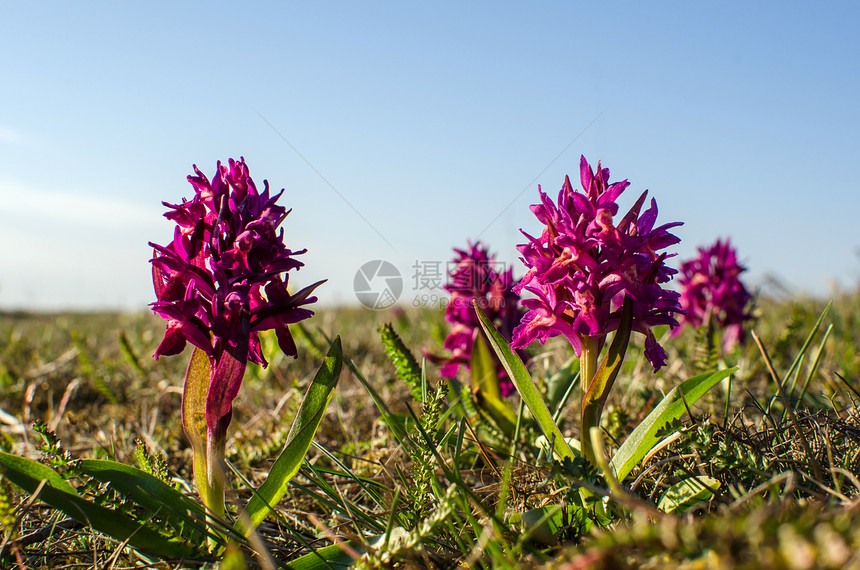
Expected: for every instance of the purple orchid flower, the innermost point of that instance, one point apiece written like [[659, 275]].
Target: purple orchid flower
[[712, 294], [474, 275], [583, 267]]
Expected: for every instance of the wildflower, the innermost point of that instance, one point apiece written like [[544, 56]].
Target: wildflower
[[712, 294], [475, 275], [219, 283], [583, 267], [590, 276]]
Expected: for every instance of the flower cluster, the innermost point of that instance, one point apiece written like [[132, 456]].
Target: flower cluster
[[476, 276], [219, 281], [712, 293], [583, 266]]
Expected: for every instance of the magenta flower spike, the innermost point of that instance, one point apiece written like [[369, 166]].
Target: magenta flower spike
[[712, 294], [476, 276], [221, 281], [585, 268]]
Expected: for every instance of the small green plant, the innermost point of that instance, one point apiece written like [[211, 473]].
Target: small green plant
[[155, 465], [405, 365]]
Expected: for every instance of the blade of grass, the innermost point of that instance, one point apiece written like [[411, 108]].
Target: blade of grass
[[300, 438], [485, 382], [803, 348], [348, 473], [332, 557], [509, 466], [395, 502], [528, 392], [345, 506], [813, 463], [728, 401], [560, 384], [815, 363], [571, 388], [387, 415], [848, 384]]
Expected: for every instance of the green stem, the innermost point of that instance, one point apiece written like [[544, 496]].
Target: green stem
[[590, 408], [208, 445], [216, 446], [209, 474]]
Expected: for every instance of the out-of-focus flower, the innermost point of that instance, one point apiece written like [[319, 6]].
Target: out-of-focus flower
[[712, 293], [475, 275], [221, 281], [584, 265]]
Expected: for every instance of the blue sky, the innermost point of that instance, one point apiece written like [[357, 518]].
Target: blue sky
[[401, 130]]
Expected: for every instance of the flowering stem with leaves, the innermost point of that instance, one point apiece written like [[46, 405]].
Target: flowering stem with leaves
[[590, 276], [221, 281]]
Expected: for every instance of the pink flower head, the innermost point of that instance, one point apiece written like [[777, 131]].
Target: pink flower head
[[223, 279], [475, 275], [584, 265], [712, 292]]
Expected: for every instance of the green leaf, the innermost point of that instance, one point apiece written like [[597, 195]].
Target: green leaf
[[528, 392], [299, 439], [559, 386], [58, 493], [185, 515], [542, 443], [542, 524], [325, 558], [194, 394], [672, 407], [485, 382], [484, 376], [686, 494], [232, 559], [337, 556]]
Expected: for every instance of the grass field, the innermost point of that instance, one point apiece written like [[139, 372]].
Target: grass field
[[752, 475]]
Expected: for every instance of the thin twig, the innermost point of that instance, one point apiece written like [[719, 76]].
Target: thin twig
[[787, 476], [43, 533]]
